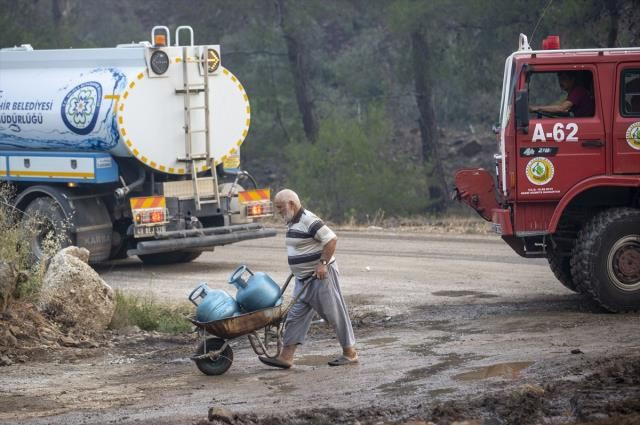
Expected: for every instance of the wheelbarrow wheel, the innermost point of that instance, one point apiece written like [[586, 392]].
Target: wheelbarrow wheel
[[219, 365]]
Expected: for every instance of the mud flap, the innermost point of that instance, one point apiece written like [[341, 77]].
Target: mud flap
[[93, 227]]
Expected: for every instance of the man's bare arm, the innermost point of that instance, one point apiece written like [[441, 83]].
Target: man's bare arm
[[562, 107], [327, 253]]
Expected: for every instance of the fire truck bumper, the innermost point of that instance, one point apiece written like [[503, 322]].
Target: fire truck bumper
[[501, 221], [475, 188], [200, 238]]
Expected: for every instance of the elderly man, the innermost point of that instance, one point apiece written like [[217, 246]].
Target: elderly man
[[310, 247]]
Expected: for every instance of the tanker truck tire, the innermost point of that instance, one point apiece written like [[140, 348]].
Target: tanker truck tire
[[606, 259], [50, 224], [218, 366], [561, 267], [174, 257]]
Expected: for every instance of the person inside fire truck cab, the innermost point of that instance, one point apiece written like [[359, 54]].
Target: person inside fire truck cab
[[579, 101]]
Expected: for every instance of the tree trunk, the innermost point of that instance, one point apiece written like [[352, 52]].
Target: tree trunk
[[614, 18], [299, 64], [429, 132], [60, 9]]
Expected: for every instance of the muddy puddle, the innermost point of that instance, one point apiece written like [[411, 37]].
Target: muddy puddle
[[502, 370], [463, 293], [280, 384], [379, 342], [313, 360]]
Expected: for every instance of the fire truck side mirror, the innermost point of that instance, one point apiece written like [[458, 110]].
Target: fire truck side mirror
[[522, 111]]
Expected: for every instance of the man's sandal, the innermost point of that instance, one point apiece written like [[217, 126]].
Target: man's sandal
[[274, 362], [342, 361]]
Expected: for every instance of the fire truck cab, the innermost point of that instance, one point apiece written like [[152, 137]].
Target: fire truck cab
[[568, 184]]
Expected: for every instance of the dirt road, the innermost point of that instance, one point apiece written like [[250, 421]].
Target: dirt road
[[447, 326]]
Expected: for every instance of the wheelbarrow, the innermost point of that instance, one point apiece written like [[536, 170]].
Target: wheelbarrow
[[215, 355]]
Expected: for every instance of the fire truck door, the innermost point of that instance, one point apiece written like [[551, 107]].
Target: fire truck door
[[557, 152], [626, 121]]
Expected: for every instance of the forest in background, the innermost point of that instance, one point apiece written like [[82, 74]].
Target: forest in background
[[351, 99]]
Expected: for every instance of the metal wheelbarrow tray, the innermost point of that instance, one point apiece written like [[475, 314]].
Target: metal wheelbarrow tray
[[234, 327]]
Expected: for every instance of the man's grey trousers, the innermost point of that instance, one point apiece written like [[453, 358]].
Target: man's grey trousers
[[324, 297]]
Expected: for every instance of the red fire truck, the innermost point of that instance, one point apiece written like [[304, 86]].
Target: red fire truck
[[568, 181]]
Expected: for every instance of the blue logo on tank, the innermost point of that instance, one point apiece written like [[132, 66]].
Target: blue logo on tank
[[81, 106]]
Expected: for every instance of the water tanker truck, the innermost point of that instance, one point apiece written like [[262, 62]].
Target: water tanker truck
[[124, 150]]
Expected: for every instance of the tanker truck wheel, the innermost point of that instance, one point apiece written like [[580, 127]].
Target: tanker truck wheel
[[174, 257], [50, 228], [561, 267], [218, 366], [606, 259]]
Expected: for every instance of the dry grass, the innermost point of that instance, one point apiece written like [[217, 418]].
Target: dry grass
[[455, 223], [150, 315]]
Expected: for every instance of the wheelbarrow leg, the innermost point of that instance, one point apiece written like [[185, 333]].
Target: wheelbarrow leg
[[262, 348]]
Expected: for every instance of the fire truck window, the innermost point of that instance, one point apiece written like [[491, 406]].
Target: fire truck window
[[631, 93], [547, 89]]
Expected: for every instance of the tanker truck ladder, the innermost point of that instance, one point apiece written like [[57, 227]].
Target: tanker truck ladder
[[192, 157]]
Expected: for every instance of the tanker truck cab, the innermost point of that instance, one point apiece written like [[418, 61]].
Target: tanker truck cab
[[132, 150], [567, 177]]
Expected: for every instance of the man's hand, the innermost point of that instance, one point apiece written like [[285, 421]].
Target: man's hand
[[321, 271]]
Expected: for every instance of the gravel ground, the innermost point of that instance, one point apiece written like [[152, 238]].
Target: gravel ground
[[449, 327]]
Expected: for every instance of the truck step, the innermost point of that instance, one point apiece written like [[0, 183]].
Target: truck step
[[193, 157], [194, 90]]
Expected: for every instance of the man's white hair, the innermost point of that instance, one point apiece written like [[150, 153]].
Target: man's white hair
[[287, 195]]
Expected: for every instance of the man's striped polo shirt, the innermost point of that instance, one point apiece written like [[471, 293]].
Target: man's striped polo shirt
[[306, 236]]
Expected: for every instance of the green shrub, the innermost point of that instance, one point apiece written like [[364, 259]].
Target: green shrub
[[149, 315], [17, 231], [353, 172]]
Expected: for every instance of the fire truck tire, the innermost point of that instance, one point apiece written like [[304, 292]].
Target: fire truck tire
[[49, 220], [606, 259], [169, 257], [561, 267]]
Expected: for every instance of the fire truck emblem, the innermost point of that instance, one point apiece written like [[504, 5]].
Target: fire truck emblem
[[633, 135], [80, 107], [540, 171]]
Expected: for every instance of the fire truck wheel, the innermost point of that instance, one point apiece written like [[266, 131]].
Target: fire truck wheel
[[170, 257], [561, 268], [606, 259], [50, 229]]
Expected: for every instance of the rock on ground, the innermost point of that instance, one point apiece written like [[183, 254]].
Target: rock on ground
[[73, 294]]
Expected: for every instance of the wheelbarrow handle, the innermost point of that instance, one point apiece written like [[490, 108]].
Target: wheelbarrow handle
[[306, 282], [286, 284]]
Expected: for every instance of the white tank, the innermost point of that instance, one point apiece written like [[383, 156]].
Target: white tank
[[113, 100]]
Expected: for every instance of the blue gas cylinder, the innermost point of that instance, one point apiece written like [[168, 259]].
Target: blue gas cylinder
[[214, 304], [256, 293]]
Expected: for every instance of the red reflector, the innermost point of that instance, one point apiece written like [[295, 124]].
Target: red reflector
[[552, 42], [157, 216], [255, 210]]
